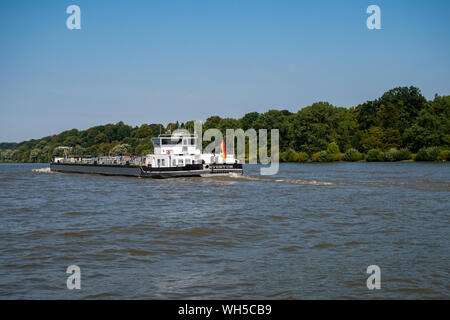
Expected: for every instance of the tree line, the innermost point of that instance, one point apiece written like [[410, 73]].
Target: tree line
[[400, 125]]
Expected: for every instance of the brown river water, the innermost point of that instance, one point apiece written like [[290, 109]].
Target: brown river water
[[310, 232]]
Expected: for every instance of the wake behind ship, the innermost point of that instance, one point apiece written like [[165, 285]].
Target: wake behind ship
[[175, 155]]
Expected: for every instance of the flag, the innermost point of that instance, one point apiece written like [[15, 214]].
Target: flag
[[224, 150]]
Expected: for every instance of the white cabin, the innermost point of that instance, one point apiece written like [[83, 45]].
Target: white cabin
[[180, 149]]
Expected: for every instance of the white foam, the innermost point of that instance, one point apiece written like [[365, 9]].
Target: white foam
[[42, 170], [289, 181]]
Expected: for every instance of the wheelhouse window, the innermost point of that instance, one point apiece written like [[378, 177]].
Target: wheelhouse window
[[159, 162], [156, 142], [163, 162], [174, 163], [188, 161], [171, 141], [180, 163]]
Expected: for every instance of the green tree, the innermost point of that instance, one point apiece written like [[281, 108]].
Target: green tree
[[353, 155], [388, 116], [247, 121], [401, 118], [10, 155], [372, 139], [432, 126], [34, 155], [79, 151], [121, 150], [100, 138], [323, 156], [428, 154], [375, 155], [333, 148], [314, 127], [144, 131], [397, 155], [144, 148], [212, 122]]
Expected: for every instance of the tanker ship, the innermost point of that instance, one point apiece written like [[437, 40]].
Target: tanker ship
[[175, 155]]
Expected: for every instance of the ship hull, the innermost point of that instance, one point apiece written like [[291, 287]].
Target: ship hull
[[109, 170], [193, 170]]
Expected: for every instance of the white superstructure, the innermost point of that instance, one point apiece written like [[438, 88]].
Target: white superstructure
[[180, 149]]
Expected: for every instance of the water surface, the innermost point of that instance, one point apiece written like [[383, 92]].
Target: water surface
[[309, 232]]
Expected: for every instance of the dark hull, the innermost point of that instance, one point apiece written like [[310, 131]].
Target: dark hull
[[193, 170], [225, 168], [110, 170]]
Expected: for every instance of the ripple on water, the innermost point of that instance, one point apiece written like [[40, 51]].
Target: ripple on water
[[103, 295], [221, 237], [275, 217], [355, 243], [291, 248], [78, 213], [323, 245], [128, 251], [195, 232], [79, 234]]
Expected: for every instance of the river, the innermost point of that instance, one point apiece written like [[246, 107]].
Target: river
[[310, 232]]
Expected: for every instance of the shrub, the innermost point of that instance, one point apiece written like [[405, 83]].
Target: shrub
[[336, 157], [375, 155], [397, 155], [444, 155], [333, 148], [391, 155], [403, 154], [315, 157], [428, 154], [302, 157], [285, 156], [352, 155], [291, 156], [323, 156]]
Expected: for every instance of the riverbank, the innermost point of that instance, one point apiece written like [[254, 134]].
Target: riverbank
[[402, 118], [333, 154]]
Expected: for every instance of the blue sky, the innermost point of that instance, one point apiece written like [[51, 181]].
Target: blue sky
[[162, 61]]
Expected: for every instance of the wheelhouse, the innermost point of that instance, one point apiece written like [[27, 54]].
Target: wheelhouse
[[174, 150]]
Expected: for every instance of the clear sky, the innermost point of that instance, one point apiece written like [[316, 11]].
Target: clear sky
[[162, 61]]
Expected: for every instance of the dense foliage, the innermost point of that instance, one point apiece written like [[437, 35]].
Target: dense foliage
[[400, 125]]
